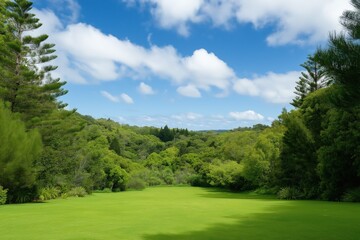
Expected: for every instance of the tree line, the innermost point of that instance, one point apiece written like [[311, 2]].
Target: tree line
[[310, 152]]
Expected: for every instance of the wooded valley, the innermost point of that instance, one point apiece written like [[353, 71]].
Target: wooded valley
[[48, 151]]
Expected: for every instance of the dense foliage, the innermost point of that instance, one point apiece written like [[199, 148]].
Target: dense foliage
[[46, 152], [327, 123]]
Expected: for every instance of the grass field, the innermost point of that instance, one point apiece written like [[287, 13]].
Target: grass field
[[164, 213]]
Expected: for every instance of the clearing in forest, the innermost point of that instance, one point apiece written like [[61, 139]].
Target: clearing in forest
[[175, 213]]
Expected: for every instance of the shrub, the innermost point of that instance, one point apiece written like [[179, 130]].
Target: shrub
[[105, 190], [352, 195], [49, 193], [266, 191], [3, 195], [289, 193], [64, 196], [182, 176], [22, 194], [136, 184], [77, 192], [154, 181], [198, 181]]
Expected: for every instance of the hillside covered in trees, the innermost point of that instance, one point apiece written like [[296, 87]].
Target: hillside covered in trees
[[310, 152]]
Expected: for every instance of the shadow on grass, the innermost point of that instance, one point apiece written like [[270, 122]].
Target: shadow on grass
[[288, 220]]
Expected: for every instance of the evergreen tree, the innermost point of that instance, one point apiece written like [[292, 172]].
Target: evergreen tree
[[341, 60], [339, 159], [29, 88], [6, 63], [165, 134], [313, 79]]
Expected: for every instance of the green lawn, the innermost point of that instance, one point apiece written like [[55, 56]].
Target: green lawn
[[180, 213]]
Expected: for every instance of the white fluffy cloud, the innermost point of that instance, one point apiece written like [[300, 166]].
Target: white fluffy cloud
[[295, 21], [189, 91], [111, 58], [126, 98], [273, 87], [69, 10], [50, 22], [145, 89], [123, 97], [87, 53], [197, 121], [187, 116], [246, 115], [109, 96], [176, 14]]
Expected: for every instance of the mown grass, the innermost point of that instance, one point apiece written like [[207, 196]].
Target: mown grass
[[180, 213]]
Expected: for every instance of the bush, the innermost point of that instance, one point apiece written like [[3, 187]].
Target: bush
[[136, 184], [49, 193], [22, 194], [352, 195], [154, 181], [64, 196], [182, 176], [77, 192], [105, 190], [289, 193], [197, 180], [3, 195], [266, 191]]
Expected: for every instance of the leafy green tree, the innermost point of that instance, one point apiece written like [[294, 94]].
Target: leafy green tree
[[237, 145], [115, 145], [64, 149], [255, 169], [227, 175], [298, 160], [18, 150], [339, 151], [339, 155]]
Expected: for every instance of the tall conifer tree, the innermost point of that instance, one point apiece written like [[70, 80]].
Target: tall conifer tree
[[30, 90], [313, 79]]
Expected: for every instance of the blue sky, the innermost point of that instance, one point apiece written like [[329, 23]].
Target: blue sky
[[196, 64]]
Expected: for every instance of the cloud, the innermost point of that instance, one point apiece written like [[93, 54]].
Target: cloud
[[145, 89], [175, 14], [189, 91], [197, 121], [123, 97], [295, 21], [109, 96], [126, 98], [187, 116], [121, 119], [273, 87], [50, 22], [84, 52], [208, 70], [270, 119], [68, 9], [247, 115]]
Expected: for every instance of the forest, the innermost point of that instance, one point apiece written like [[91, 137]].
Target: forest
[[46, 151]]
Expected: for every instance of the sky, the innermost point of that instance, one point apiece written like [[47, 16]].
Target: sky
[[195, 64]]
